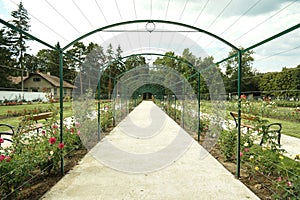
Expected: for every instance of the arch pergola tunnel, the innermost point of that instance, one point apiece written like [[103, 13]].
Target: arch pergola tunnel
[[142, 71]]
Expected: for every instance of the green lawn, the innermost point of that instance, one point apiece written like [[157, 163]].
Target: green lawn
[[290, 128], [14, 121]]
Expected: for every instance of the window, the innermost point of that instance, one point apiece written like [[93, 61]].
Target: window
[[34, 89], [36, 79]]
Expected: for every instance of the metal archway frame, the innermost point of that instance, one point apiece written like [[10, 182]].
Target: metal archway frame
[[238, 54]]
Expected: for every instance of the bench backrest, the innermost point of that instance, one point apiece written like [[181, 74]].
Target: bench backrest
[[243, 116], [39, 116]]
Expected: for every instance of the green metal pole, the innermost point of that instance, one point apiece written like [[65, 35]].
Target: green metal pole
[[199, 130], [61, 104], [238, 164], [175, 107], [183, 101], [114, 103], [99, 108]]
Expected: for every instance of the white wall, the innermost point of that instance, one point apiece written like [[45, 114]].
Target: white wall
[[28, 96]]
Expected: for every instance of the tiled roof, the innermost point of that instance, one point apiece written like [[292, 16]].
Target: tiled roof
[[16, 79], [54, 80]]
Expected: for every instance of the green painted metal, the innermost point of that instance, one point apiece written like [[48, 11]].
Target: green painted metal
[[151, 21], [238, 149], [61, 104], [239, 54], [273, 37], [25, 33], [99, 107], [198, 92], [175, 107]]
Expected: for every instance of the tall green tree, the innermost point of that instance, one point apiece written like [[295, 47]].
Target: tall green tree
[[91, 68], [284, 84], [249, 81], [5, 60], [110, 57], [18, 40], [48, 62]]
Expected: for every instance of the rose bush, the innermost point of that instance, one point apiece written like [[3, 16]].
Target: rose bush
[[35, 153]]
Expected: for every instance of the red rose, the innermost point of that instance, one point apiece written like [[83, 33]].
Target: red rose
[[2, 157], [1, 140], [61, 145], [52, 140]]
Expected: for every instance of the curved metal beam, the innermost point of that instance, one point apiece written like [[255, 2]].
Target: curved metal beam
[[142, 54], [154, 21]]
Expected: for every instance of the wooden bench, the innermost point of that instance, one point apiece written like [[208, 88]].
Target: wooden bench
[[270, 128], [36, 118], [9, 130]]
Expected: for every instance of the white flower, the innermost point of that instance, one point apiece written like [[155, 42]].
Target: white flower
[[246, 144], [51, 152]]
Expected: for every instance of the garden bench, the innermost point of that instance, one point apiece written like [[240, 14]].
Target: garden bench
[[9, 130], [269, 129], [36, 118], [6, 130]]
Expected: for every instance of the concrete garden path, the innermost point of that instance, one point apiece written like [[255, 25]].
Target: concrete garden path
[[148, 156]]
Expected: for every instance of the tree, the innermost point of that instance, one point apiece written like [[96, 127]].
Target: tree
[[110, 56], [31, 62], [249, 81], [18, 40], [5, 60], [91, 68], [48, 61], [281, 84]]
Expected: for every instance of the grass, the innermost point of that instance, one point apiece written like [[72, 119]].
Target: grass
[[290, 128], [5, 109], [14, 121]]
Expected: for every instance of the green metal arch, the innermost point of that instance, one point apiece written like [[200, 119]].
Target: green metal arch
[[150, 21]]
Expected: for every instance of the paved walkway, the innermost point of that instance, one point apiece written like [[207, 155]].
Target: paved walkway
[[149, 162]]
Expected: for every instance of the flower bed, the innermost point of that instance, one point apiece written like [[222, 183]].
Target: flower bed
[[34, 154], [264, 168]]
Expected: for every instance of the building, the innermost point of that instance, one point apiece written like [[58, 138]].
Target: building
[[39, 82]]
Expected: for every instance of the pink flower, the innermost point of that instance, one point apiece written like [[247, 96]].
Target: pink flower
[[78, 132], [43, 132], [241, 154], [8, 158], [55, 126], [246, 149], [1, 140], [279, 179], [52, 140], [289, 183], [2, 157], [77, 125], [61, 145], [72, 130]]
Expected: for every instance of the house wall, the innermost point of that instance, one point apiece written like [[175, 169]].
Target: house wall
[[36, 83]]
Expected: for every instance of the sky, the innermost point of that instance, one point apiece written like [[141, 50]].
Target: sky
[[241, 23]]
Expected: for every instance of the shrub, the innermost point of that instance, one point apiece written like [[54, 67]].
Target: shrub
[[33, 153]]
